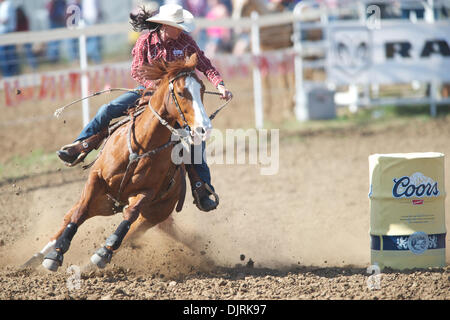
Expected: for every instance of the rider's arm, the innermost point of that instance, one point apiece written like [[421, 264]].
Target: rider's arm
[[139, 53], [204, 65]]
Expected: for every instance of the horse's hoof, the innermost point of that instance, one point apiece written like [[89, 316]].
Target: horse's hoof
[[102, 257], [53, 260], [51, 265]]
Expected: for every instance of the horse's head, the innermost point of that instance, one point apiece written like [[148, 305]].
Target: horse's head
[[185, 94]]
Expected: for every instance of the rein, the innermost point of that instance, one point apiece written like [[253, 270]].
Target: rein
[[59, 111], [172, 93]]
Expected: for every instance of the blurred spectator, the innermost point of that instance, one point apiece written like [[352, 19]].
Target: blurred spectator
[[229, 5], [24, 26], [416, 10], [199, 8], [57, 18], [72, 44], [92, 14], [8, 56], [444, 13], [281, 5], [218, 37]]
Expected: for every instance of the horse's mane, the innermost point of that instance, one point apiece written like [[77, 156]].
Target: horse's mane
[[162, 70]]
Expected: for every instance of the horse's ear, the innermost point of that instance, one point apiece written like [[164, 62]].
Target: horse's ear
[[192, 61]]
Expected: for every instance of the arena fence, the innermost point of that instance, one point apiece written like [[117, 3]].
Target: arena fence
[[391, 51], [50, 83], [307, 15]]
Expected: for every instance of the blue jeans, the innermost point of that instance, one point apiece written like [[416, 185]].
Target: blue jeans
[[201, 168], [29, 54], [73, 49], [9, 64], [116, 109], [94, 49], [109, 111], [53, 53], [419, 13]]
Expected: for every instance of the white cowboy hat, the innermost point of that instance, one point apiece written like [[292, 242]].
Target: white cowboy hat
[[175, 16]]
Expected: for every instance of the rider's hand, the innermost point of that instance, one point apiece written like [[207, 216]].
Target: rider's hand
[[226, 94]]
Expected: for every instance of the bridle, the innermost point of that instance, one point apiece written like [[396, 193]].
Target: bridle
[[174, 97], [185, 126], [186, 129]]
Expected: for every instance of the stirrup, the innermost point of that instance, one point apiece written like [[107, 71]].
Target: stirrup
[[211, 191], [199, 194], [85, 147], [80, 158]]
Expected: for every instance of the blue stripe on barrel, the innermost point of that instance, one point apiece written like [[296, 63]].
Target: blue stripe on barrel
[[400, 243]]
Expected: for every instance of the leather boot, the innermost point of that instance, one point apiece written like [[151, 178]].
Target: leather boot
[[201, 191], [73, 154]]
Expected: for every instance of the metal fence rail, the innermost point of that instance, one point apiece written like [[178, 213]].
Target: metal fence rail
[[306, 16]]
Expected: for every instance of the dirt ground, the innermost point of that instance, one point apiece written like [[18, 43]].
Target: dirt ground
[[302, 233]]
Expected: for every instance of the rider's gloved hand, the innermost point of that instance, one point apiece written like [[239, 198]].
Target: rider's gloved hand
[[226, 94]]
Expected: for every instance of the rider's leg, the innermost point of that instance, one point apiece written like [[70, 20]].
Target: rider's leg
[[200, 178], [109, 111], [86, 141]]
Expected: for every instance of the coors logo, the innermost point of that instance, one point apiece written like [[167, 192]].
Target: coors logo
[[417, 185]]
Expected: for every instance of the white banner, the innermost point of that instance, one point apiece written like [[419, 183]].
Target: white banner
[[397, 52]]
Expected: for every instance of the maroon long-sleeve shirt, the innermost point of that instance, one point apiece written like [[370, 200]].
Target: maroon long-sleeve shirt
[[149, 47]]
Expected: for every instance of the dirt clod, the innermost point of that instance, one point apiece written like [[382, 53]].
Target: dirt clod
[[306, 226]]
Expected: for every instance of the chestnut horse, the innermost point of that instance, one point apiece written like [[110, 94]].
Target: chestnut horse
[[135, 167]]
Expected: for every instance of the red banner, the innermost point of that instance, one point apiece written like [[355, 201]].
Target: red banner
[[57, 86]]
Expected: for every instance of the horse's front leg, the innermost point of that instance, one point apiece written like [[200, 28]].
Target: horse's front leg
[[136, 203], [60, 242]]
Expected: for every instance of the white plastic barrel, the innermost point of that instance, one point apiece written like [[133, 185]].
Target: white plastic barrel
[[407, 210]]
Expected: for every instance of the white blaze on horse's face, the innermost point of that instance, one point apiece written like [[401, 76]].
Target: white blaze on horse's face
[[202, 124]]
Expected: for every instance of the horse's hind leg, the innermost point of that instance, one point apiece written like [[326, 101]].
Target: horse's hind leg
[[103, 255], [91, 200], [141, 225]]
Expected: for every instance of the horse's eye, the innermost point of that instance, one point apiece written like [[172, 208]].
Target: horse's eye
[[180, 93]]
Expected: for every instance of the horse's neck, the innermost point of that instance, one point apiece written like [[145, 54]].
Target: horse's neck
[[152, 133]]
